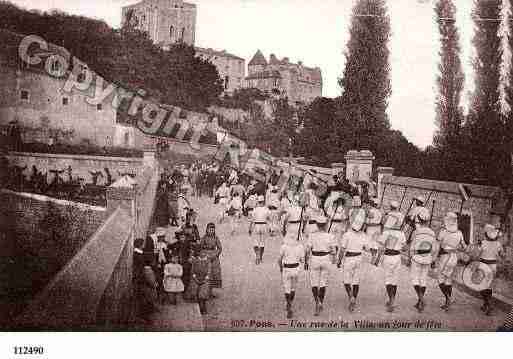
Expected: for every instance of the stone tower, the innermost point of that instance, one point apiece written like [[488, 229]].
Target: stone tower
[[166, 21]]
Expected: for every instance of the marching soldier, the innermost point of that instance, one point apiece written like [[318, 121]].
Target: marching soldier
[[422, 254], [373, 226], [312, 209], [392, 240], [417, 205], [223, 195], [451, 242], [337, 214], [258, 227], [353, 242], [320, 254], [491, 252], [292, 219], [235, 211], [292, 254], [273, 203]]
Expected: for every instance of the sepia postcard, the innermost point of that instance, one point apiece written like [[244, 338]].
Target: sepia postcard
[[255, 166]]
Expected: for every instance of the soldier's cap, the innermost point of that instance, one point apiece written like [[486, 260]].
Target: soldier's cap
[[261, 199], [159, 232], [394, 204], [420, 199], [423, 214], [321, 220], [491, 231]]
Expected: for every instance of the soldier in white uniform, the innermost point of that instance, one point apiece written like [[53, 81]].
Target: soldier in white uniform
[[373, 225], [491, 251], [451, 242], [337, 213], [312, 210], [235, 211], [223, 193], [418, 204], [353, 243], [320, 255], [258, 228], [273, 203], [292, 220], [392, 242], [292, 255], [423, 251]]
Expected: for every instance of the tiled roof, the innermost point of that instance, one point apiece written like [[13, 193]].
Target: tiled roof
[[258, 59], [222, 53], [264, 75]]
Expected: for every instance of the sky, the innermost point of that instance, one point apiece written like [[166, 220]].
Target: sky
[[316, 33]]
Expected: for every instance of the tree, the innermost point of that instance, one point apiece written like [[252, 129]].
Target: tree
[[316, 139], [508, 130], [449, 114], [485, 122], [366, 80], [126, 57]]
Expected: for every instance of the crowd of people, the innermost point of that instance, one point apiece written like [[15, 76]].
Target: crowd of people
[[322, 225], [337, 223], [175, 262]]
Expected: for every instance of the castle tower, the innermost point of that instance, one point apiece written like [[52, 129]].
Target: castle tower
[[166, 21], [257, 64]]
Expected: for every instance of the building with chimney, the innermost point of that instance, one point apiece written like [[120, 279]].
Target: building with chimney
[[166, 22], [281, 78], [231, 68]]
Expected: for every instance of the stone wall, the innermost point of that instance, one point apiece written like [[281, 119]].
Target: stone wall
[[94, 290], [42, 234], [483, 202], [49, 109], [81, 165]]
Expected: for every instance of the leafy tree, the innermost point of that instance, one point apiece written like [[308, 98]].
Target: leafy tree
[[485, 122], [366, 80], [449, 114], [126, 56]]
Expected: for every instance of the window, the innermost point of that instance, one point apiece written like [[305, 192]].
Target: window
[[127, 138], [182, 35], [65, 101], [171, 32], [226, 82], [24, 95], [99, 107]]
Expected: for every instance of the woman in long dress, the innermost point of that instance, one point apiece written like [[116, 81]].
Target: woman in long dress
[[212, 245]]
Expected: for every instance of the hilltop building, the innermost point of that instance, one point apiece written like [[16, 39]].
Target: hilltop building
[[281, 78], [231, 68], [167, 22]]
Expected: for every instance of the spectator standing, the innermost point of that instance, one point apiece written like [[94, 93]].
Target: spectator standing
[[212, 245]]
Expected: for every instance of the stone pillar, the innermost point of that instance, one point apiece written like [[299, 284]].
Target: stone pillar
[[359, 165], [149, 158], [382, 173]]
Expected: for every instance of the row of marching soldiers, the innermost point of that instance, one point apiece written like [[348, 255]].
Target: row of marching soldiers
[[340, 232]]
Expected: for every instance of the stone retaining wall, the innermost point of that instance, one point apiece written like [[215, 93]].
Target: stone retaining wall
[[81, 165]]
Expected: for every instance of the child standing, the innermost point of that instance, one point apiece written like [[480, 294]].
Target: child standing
[[172, 282]]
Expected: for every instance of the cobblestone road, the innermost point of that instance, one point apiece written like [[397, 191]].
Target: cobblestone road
[[252, 296]]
